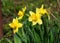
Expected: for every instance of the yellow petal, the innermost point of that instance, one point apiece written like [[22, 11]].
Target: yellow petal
[[37, 11], [45, 11], [38, 16], [15, 20], [15, 30], [20, 17], [11, 25], [30, 19], [20, 13], [32, 13], [20, 24], [42, 6], [24, 9], [34, 23], [39, 21]]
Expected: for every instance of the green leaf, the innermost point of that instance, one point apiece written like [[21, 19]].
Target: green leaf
[[17, 39], [9, 40], [36, 37]]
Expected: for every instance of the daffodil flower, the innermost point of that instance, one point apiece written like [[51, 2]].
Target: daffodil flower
[[21, 13], [15, 25], [42, 11], [35, 18]]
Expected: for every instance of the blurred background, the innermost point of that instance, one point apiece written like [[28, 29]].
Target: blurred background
[[10, 9]]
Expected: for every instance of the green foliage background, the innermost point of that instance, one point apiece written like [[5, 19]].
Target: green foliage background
[[48, 32]]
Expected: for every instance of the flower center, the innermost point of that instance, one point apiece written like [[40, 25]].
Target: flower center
[[34, 18]]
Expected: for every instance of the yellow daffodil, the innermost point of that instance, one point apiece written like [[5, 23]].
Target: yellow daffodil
[[38, 11], [21, 13], [35, 18], [42, 11], [15, 25]]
